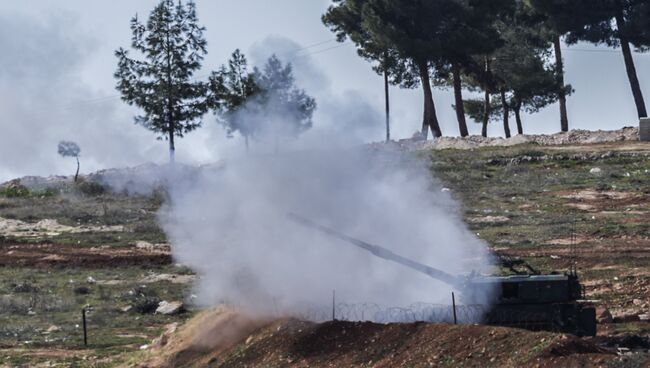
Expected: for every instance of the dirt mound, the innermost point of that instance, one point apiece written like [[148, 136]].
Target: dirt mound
[[204, 338], [223, 338]]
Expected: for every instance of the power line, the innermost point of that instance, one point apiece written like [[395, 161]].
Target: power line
[[598, 51], [310, 46], [294, 52], [72, 105]]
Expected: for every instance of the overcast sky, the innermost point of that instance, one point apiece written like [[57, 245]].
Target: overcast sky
[[56, 82]]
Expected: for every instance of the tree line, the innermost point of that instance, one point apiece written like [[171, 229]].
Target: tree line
[[162, 82], [510, 50]]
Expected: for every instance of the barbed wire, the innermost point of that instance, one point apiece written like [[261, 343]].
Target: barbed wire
[[426, 312]]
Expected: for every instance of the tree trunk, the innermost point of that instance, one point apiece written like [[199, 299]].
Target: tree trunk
[[506, 113], [76, 175], [430, 119], [486, 106], [520, 127], [387, 105], [629, 66], [170, 103], [460, 107], [559, 67], [172, 147]]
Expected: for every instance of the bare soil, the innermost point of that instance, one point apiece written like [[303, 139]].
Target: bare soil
[[58, 255], [293, 343]]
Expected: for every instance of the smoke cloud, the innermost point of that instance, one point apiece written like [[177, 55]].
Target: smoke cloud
[[40, 93], [230, 224]]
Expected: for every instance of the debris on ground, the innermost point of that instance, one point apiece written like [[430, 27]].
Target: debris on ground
[[170, 308]]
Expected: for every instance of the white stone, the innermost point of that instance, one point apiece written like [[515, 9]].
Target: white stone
[[596, 170], [170, 308]]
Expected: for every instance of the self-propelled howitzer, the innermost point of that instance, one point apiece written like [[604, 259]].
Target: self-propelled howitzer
[[537, 302]]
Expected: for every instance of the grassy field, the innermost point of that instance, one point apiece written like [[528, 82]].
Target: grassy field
[[541, 204]]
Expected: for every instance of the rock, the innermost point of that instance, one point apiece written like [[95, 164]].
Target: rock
[[644, 317], [595, 170], [160, 341], [126, 309], [91, 280], [53, 329], [637, 302], [170, 308], [603, 315], [626, 317], [488, 220]]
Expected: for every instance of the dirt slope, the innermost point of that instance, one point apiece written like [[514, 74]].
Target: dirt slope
[[224, 338]]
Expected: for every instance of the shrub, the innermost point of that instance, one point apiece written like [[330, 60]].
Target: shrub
[[15, 190], [91, 188], [144, 301], [81, 290], [24, 287]]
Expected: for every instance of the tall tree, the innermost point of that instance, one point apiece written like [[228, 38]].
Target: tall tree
[[345, 19], [556, 18], [263, 103], [287, 108], [414, 29], [172, 47], [70, 149], [475, 33], [518, 77], [232, 87], [519, 67], [609, 22]]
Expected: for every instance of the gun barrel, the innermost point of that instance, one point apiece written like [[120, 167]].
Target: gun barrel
[[381, 252]]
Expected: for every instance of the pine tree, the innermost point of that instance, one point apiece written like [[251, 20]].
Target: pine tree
[[234, 86], [172, 47], [519, 67], [262, 103], [519, 78], [287, 108], [345, 19], [615, 23]]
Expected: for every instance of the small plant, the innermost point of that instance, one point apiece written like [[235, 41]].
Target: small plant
[[15, 190], [91, 188], [144, 301], [81, 290], [70, 149], [24, 287]]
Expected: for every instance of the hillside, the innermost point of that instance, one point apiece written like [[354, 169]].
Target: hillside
[[84, 245]]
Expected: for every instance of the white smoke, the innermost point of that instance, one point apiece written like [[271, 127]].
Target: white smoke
[[229, 222], [231, 226]]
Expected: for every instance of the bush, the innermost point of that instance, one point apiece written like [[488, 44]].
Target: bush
[[144, 301], [24, 287], [91, 188], [15, 190], [81, 290]]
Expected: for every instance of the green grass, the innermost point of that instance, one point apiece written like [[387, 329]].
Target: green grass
[[521, 183], [34, 300]]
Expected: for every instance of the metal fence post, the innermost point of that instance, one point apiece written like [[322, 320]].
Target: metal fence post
[[83, 320], [453, 304]]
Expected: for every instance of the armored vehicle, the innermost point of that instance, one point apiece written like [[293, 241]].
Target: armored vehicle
[[532, 301]]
